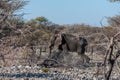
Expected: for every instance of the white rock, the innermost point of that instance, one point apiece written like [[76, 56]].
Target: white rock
[[27, 67]]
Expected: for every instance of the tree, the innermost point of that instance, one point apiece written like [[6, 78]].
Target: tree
[[114, 0], [114, 21], [40, 22], [10, 19], [111, 56], [8, 11]]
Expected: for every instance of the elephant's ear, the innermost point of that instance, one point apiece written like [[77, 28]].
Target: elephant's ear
[[52, 41], [57, 42], [85, 43]]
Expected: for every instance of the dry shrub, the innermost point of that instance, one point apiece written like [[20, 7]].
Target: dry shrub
[[28, 57], [71, 59]]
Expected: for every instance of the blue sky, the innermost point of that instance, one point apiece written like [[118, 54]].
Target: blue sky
[[72, 11]]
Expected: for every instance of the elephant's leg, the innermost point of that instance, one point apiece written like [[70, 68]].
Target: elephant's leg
[[65, 48], [50, 49], [57, 53], [81, 50], [84, 58], [60, 47]]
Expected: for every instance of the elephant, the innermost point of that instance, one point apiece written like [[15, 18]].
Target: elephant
[[69, 42]]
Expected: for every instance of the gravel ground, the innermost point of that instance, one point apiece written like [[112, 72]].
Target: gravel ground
[[60, 73], [36, 73]]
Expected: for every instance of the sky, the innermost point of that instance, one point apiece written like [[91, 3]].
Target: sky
[[89, 12]]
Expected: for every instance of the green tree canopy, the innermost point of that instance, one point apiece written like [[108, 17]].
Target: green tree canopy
[[40, 22]]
